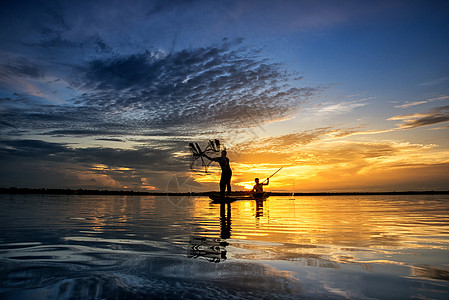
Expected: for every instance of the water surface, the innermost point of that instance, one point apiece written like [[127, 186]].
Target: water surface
[[141, 247]]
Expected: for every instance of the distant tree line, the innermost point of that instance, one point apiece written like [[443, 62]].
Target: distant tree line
[[15, 190]]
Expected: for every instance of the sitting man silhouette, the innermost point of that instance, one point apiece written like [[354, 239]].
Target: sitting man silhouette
[[257, 191]]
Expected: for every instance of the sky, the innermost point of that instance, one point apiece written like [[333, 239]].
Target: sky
[[343, 95]]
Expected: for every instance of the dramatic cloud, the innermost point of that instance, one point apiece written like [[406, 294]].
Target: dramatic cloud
[[145, 92], [206, 86], [436, 116], [74, 70], [72, 87]]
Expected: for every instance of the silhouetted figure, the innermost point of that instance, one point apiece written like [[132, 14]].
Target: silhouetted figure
[[226, 172], [257, 191]]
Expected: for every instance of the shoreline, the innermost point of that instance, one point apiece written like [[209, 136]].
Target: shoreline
[[45, 191]]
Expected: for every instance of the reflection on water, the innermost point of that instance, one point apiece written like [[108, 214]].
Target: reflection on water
[[225, 220], [211, 249], [118, 247]]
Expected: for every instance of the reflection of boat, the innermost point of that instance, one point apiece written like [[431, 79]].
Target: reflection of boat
[[218, 198], [260, 196]]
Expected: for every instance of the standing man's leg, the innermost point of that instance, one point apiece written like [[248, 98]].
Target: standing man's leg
[[228, 182], [222, 184]]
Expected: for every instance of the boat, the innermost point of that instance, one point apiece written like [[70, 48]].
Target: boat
[[218, 198]]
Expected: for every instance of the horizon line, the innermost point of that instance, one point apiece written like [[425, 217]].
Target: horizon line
[[69, 191]]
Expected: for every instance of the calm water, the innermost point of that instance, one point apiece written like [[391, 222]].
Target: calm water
[[131, 247]]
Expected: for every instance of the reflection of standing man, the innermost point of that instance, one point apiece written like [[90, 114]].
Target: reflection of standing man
[[225, 220], [226, 172]]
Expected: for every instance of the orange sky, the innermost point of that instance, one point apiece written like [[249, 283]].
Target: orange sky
[[326, 159]]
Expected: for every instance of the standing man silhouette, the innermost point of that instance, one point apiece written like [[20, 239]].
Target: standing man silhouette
[[226, 172]]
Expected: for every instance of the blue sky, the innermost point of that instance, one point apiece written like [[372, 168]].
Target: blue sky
[[107, 94]]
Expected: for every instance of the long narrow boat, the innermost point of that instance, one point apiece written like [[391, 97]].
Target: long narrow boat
[[217, 198]]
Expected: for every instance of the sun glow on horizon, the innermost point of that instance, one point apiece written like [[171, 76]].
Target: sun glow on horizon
[[336, 165]]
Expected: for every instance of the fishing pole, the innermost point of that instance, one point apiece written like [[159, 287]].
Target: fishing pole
[[272, 174]]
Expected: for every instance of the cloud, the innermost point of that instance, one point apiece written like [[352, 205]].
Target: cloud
[[313, 146], [434, 82], [110, 140], [211, 87], [339, 107], [34, 162], [435, 116], [31, 148], [442, 127], [21, 67], [409, 121], [410, 104], [283, 143], [111, 83]]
